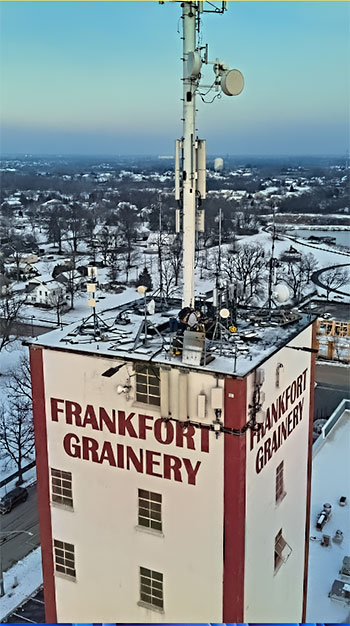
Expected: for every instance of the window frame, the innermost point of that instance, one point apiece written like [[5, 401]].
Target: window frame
[[279, 546], [67, 550], [143, 374], [57, 488], [156, 587], [280, 491], [145, 500]]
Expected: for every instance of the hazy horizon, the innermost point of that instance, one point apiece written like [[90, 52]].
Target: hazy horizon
[[104, 78]]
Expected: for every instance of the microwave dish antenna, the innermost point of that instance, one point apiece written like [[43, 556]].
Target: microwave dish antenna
[[224, 313], [232, 82], [194, 63]]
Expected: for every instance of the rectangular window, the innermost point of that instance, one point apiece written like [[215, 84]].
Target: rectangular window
[[147, 384], [280, 493], [151, 588], [282, 550], [150, 510], [61, 487], [64, 558]]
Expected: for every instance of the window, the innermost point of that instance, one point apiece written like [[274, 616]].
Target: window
[[280, 492], [151, 588], [150, 510], [147, 384], [64, 558], [282, 550], [61, 487]]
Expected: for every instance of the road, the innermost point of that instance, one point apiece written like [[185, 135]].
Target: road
[[333, 384], [24, 516], [317, 278]]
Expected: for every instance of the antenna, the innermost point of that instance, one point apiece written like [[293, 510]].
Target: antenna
[[190, 152]]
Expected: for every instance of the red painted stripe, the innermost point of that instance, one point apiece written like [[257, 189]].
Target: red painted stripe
[[309, 471], [42, 468], [234, 502]]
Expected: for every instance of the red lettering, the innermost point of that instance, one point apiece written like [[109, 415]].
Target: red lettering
[[90, 417], [71, 445], [281, 406], [150, 461], [120, 455], [143, 426], [107, 454], [126, 425], [287, 397], [274, 411], [204, 439], [304, 378], [293, 392], [107, 421], [161, 425], [299, 385], [191, 471], [90, 448], [295, 416], [185, 431], [172, 464], [267, 450], [55, 409], [290, 422], [259, 460], [137, 462], [73, 409], [253, 434]]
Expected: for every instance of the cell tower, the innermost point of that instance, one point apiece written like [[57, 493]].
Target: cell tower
[[190, 151]]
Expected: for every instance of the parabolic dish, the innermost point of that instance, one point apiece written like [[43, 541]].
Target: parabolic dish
[[224, 313], [232, 82], [194, 63]]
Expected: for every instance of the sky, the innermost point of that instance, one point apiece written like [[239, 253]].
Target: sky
[[105, 78]]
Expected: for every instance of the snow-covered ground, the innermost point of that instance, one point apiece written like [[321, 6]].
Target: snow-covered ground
[[20, 582]]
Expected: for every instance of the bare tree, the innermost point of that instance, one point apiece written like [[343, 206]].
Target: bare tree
[[295, 277], [173, 252], [17, 433], [310, 265], [76, 220], [58, 301], [10, 308], [19, 381], [334, 278], [247, 266]]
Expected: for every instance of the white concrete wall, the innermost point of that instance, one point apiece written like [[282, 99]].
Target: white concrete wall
[[109, 548], [270, 596]]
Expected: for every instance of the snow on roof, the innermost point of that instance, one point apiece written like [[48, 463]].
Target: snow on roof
[[238, 355], [330, 481]]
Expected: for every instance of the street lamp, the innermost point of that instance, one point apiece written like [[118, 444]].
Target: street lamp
[[9, 532]]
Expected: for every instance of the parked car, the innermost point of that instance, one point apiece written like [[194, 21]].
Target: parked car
[[12, 498]]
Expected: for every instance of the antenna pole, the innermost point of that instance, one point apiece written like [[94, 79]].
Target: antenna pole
[[189, 18], [272, 261]]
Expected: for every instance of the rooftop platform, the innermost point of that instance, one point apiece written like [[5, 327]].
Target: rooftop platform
[[330, 481], [119, 334]]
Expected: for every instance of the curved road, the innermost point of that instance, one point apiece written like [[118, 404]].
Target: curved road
[[315, 278]]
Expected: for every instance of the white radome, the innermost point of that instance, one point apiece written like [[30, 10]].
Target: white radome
[[281, 293], [218, 164]]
